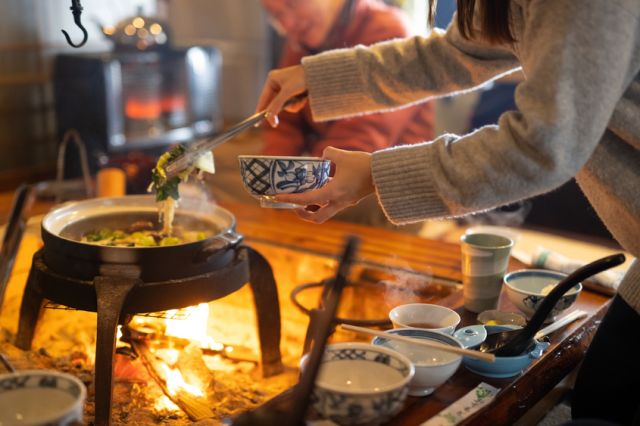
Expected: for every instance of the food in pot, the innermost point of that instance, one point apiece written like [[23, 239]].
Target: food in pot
[[167, 190], [141, 234]]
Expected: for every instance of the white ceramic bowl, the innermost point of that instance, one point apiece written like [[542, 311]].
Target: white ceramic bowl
[[40, 397], [266, 176], [425, 316], [359, 383], [527, 289], [433, 366]]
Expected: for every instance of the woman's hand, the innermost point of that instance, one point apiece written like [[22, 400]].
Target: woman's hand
[[351, 183], [282, 85]]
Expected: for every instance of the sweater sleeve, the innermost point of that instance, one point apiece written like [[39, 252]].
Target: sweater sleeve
[[578, 58], [389, 74]]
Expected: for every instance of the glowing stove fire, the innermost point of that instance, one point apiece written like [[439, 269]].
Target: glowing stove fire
[[180, 356]]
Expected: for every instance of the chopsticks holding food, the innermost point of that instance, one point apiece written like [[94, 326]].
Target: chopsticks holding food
[[422, 342]]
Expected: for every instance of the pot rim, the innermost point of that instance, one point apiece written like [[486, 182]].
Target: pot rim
[[74, 211]]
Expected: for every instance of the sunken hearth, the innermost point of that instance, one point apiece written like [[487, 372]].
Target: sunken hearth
[[117, 292]]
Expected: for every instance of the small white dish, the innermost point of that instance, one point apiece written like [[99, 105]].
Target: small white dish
[[496, 317], [425, 316]]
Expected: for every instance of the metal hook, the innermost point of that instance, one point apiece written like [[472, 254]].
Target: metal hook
[[76, 9]]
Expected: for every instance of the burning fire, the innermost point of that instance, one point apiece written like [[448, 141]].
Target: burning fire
[[176, 383], [165, 404], [194, 327], [188, 324]]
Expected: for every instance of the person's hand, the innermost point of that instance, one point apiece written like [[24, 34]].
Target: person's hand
[[282, 85], [351, 183]]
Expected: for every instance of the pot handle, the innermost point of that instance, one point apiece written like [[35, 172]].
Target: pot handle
[[218, 243]]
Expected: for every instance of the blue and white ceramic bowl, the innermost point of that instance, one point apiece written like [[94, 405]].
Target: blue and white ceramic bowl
[[503, 366], [266, 176], [527, 288], [359, 383], [433, 366], [40, 397]]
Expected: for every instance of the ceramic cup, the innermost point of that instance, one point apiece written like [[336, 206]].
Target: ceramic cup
[[485, 258], [425, 316]]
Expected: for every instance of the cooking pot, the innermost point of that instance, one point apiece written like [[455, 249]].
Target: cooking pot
[[63, 227]]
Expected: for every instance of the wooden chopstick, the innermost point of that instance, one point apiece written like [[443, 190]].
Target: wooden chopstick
[[422, 342]]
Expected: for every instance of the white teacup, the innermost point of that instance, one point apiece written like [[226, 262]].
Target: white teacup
[[425, 316]]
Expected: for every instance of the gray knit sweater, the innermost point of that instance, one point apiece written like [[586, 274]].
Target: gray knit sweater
[[578, 115]]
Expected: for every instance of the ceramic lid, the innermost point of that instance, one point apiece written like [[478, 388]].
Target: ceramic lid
[[471, 335]]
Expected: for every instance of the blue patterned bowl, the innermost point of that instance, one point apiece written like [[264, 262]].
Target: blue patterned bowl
[[359, 383], [527, 289], [503, 366], [40, 397], [266, 176]]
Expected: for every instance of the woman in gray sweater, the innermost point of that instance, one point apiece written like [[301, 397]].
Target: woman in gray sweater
[[578, 116]]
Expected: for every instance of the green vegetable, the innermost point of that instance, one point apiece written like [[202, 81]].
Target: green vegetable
[[140, 239], [120, 238], [164, 187], [102, 234], [169, 241]]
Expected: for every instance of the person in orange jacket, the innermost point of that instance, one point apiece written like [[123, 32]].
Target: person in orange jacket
[[314, 26]]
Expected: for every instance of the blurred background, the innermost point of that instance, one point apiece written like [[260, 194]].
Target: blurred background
[[193, 67]]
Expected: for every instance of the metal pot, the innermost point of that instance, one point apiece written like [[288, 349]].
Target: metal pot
[[64, 253]]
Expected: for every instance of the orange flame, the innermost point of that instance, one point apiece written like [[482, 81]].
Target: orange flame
[[194, 327]]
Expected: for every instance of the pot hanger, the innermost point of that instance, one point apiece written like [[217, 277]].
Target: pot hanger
[[76, 9]]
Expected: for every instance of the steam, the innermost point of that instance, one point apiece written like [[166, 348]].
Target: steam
[[404, 285]]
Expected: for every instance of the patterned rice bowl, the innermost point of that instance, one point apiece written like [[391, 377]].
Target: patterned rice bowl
[[360, 383], [41, 397], [527, 289], [266, 176]]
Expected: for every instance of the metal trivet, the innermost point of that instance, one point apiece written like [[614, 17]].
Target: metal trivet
[[176, 314], [117, 294]]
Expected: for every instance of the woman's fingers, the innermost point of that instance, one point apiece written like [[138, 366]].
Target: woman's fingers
[[296, 103], [321, 214], [269, 91], [317, 197], [281, 85]]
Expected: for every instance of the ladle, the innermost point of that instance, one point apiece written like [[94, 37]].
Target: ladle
[[515, 342]]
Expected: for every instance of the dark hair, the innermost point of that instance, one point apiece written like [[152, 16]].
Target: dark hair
[[494, 19]]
